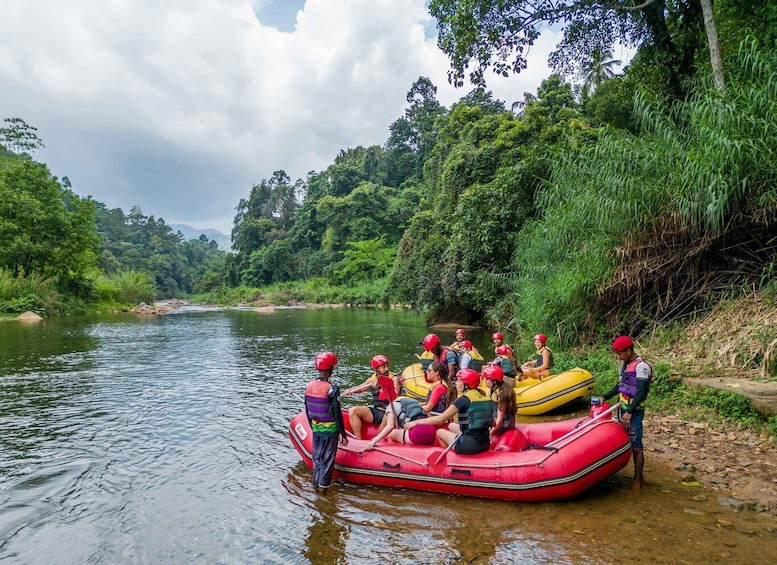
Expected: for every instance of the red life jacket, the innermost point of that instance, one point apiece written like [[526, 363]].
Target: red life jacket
[[317, 402]]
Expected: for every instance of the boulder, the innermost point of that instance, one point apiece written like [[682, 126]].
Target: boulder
[[29, 316]]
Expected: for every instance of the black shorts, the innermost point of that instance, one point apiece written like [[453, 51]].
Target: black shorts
[[470, 445], [377, 415]]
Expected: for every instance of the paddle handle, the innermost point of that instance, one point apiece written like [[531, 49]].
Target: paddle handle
[[297, 396], [447, 449], [584, 424]]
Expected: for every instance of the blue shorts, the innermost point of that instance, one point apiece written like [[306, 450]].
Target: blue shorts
[[635, 428]]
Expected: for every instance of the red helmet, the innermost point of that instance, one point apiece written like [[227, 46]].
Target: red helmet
[[469, 377], [465, 343], [504, 350], [431, 341], [542, 338], [379, 360], [622, 343], [494, 372], [325, 361], [498, 335], [460, 331]]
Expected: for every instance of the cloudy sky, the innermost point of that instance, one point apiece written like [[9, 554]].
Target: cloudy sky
[[181, 106]]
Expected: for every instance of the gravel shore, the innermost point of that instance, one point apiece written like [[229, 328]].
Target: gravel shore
[[739, 464]]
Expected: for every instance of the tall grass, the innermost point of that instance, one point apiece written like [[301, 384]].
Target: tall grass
[[123, 288], [33, 293], [704, 164], [314, 291]]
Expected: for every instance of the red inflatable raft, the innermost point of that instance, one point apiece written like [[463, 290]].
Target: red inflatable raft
[[534, 462]]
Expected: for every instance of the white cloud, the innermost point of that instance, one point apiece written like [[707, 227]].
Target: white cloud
[[179, 107]]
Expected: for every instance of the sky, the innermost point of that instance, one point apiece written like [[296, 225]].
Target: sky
[[181, 106]]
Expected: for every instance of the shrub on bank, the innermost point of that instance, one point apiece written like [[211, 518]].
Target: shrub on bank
[[123, 288], [313, 291], [33, 293]]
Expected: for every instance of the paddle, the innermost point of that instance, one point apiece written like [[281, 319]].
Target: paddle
[[387, 386], [584, 424], [436, 463]]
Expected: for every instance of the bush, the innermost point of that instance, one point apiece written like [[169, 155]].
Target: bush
[[125, 287], [33, 293]]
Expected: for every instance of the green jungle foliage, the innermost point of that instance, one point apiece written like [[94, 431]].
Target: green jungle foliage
[[61, 252], [571, 212], [136, 243], [19, 294], [704, 168], [46, 229], [123, 287]]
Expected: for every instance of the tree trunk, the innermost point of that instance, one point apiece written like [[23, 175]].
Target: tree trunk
[[712, 38], [662, 40]]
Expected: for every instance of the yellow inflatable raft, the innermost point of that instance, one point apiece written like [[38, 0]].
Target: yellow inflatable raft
[[534, 396]]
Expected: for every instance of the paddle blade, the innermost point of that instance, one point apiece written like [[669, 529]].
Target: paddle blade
[[437, 461], [387, 386]]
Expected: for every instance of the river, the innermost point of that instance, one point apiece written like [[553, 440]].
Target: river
[[127, 439]]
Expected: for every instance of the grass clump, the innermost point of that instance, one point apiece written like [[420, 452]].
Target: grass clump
[[32, 293], [126, 287], [314, 291]]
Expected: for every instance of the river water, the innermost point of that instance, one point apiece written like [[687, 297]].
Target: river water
[[163, 439]]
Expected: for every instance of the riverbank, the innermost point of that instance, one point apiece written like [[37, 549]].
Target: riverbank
[[738, 466]]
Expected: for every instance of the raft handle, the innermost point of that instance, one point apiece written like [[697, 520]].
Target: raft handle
[[538, 446]]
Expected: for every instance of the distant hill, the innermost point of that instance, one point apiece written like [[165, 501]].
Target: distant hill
[[194, 233]]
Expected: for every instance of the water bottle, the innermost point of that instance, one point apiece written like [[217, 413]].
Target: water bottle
[[597, 407]]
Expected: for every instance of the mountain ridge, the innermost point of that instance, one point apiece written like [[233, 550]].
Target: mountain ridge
[[224, 242]]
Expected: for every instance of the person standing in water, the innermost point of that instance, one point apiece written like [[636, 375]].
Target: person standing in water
[[322, 407]]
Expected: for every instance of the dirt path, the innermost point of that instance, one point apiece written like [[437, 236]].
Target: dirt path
[[762, 393]]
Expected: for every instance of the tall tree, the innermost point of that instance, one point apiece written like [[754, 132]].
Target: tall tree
[[597, 69], [19, 137], [45, 229], [414, 134], [714, 43], [498, 33]]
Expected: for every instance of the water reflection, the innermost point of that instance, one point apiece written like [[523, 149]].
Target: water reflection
[[50, 345], [327, 535]]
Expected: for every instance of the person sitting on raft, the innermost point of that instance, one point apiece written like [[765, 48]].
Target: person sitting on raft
[[442, 394], [541, 366], [402, 411], [357, 415], [498, 338], [510, 369], [460, 334], [474, 410], [438, 352], [502, 400]]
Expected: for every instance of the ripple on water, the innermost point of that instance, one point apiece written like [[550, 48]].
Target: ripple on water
[[165, 440]]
